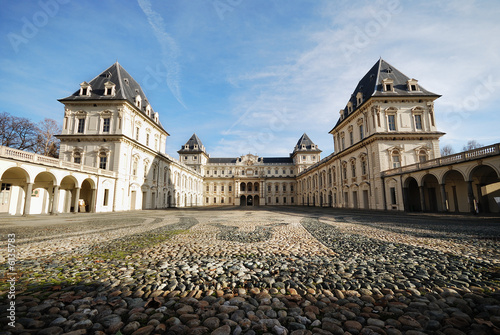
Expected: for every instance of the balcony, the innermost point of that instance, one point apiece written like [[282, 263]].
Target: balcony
[[491, 150]]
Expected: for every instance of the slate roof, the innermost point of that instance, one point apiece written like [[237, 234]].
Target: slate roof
[[222, 160], [194, 140], [277, 160], [371, 86], [127, 88], [305, 141]]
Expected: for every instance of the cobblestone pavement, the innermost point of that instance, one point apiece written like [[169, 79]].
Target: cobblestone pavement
[[278, 270]]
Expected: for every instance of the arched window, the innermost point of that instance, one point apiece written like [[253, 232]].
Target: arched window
[[422, 156], [103, 160], [353, 168], [77, 157], [396, 159]]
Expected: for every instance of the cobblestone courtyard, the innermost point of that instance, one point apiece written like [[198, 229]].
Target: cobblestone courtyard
[[277, 270]]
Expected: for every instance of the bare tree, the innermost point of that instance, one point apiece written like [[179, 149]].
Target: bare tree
[[447, 150], [17, 132], [47, 144], [471, 145]]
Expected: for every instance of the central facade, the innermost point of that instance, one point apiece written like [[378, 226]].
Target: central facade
[[250, 180]]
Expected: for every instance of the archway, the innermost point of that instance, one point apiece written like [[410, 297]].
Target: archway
[[413, 203], [243, 201], [249, 187], [42, 195], [249, 200], [256, 200], [481, 177], [242, 187], [432, 193], [321, 199], [330, 199], [14, 189], [456, 192], [87, 196], [169, 199], [67, 195]]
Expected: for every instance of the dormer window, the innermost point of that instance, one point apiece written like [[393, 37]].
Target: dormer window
[[359, 98], [412, 85], [387, 85], [148, 110], [138, 101], [109, 88], [349, 107], [85, 89]]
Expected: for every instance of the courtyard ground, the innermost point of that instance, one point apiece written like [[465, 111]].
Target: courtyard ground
[[243, 270]]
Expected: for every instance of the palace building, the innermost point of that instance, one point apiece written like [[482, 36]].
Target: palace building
[[386, 156]]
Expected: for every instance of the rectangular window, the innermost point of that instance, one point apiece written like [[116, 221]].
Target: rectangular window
[[413, 87], [215, 172], [284, 200], [277, 200], [106, 195], [393, 195], [269, 200], [291, 200], [276, 188], [206, 200], [222, 200], [147, 139], [137, 133], [343, 143], [268, 171], [77, 159], [229, 199], [222, 172], [222, 188], [84, 91], [284, 188], [269, 188], [361, 133], [351, 137], [81, 126], [215, 188], [102, 162], [215, 200], [388, 87], [418, 121], [291, 188], [105, 125], [284, 171], [208, 188], [230, 190], [392, 122], [276, 171]]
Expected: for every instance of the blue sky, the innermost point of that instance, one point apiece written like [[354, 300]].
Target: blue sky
[[250, 76]]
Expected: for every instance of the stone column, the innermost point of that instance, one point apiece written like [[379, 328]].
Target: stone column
[[422, 199], [93, 198], [405, 199], [443, 197], [470, 196], [55, 200], [75, 200], [27, 199]]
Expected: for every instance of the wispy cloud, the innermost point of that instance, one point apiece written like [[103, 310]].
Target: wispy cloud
[[169, 49]]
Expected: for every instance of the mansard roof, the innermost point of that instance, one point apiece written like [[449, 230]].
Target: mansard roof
[[305, 144], [127, 88], [371, 85], [194, 145]]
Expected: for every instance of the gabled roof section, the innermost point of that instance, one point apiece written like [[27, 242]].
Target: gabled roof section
[[192, 145], [305, 144], [371, 85]]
